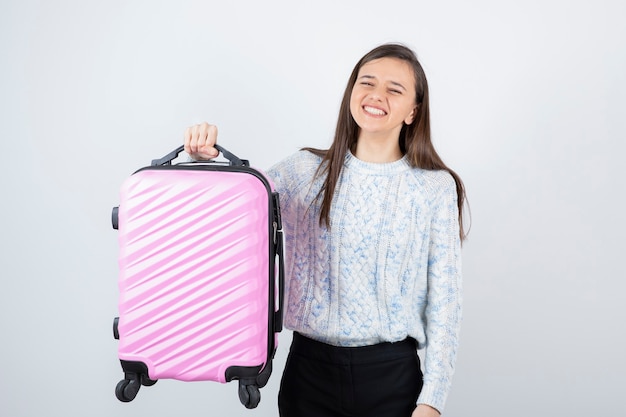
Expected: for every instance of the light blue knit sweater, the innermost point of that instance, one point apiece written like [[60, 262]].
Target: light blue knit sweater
[[388, 268]]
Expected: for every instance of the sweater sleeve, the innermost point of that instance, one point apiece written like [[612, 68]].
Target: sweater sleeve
[[443, 310], [284, 175], [292, 174]]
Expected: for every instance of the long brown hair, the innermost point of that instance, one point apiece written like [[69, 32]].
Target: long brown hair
[[415, 140]]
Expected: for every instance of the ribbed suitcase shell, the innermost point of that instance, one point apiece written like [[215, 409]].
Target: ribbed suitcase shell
[[194, 272]]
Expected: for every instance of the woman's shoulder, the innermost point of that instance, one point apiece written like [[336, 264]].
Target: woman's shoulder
[[440, 177], [300, 161], [303, 156], [295, 170], [436, 182]]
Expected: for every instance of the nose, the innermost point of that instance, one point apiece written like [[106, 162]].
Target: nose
[[377, 94]]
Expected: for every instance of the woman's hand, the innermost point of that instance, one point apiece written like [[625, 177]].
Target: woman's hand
[[200, 140], [424, 410]]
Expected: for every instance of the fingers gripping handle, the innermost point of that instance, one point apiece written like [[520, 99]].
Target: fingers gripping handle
[[232, 158]]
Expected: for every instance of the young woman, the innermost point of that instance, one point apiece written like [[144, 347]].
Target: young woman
[[373, 230]]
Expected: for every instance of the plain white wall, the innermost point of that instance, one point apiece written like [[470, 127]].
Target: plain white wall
[[527, 106]]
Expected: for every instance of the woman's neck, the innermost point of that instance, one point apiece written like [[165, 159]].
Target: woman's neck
[[370, 148]]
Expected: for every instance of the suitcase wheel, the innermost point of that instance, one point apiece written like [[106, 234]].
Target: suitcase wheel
[[249, 395], [126, 390], [135, 375]]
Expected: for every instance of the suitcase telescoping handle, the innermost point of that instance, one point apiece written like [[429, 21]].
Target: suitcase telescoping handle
[[232, 158], [278, 315], [278, 245]]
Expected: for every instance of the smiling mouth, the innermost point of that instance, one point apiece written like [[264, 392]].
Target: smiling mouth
[[374, 111]]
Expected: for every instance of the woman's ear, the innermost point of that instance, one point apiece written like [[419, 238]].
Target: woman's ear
[[411, 117]]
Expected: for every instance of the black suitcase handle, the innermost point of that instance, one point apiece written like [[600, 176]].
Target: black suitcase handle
[[232, 158], [278, 315]]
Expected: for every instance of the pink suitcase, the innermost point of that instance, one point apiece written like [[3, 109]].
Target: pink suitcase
[[200, 275]]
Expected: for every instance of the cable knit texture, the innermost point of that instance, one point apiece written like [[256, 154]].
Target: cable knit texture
[[388, 268]]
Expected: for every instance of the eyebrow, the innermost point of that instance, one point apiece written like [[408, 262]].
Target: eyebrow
[[371, 77]]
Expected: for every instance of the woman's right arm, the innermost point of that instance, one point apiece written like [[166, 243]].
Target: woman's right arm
[[200, 140]]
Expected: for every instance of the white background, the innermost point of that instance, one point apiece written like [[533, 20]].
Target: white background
[[527, 106]]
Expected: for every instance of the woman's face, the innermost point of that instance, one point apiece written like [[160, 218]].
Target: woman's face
[[383, 97]]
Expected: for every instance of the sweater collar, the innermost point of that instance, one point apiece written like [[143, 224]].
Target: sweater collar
[[385, 168]]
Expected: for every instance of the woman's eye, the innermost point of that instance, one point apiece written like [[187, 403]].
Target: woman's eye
[[367, 83], [395, 91]]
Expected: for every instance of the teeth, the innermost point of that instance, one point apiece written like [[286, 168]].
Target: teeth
[[374, 111]]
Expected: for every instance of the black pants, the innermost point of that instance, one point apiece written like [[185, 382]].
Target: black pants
[[320, 380]]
